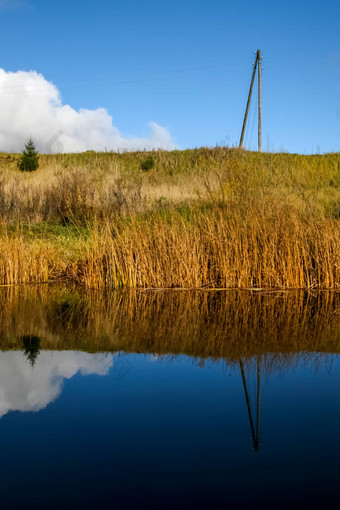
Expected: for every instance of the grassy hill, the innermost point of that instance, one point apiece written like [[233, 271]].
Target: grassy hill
[[196, 218]]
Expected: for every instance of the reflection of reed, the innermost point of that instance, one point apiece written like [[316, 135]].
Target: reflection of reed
[[229, 325]]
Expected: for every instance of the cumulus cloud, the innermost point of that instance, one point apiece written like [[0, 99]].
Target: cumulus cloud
[[24, 389], [32, 106]]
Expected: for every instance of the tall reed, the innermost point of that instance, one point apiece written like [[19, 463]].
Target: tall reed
[[220, 248], [206, 218]]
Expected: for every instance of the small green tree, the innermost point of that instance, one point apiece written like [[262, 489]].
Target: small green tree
[[29, 160], [147, 164]]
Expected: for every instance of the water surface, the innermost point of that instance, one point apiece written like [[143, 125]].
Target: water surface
[[169, 401]]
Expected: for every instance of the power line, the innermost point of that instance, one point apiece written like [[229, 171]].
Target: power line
[[26, 88]]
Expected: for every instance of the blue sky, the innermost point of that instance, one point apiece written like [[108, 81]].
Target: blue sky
[[186, 65]]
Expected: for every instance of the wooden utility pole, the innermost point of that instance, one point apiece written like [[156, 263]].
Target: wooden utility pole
[[260, 101], [257, 65], [248, 102]]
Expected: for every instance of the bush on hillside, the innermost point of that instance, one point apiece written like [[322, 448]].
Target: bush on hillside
[[147, 164]]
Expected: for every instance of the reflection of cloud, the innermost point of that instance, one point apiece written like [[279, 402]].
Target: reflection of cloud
[[154, 357], [24, 389]]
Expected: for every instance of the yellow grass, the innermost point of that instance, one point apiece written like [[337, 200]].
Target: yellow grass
[[205, 218]]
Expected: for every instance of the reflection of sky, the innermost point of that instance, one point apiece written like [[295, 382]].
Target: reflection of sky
[[25, 389]]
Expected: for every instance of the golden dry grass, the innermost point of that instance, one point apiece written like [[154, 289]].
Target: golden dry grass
[[202, 218]]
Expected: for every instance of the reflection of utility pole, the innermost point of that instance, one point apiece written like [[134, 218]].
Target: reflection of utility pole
[[255, 433]]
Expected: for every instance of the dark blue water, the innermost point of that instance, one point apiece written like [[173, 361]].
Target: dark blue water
[[137, 431]]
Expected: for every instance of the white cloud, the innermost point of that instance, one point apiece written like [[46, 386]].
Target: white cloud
[[31, 105], [25, 389]]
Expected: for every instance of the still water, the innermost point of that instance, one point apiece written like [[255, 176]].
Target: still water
[[184, 402]]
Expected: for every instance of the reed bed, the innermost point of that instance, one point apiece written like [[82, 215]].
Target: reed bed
[[219, 248], [217, 218]]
